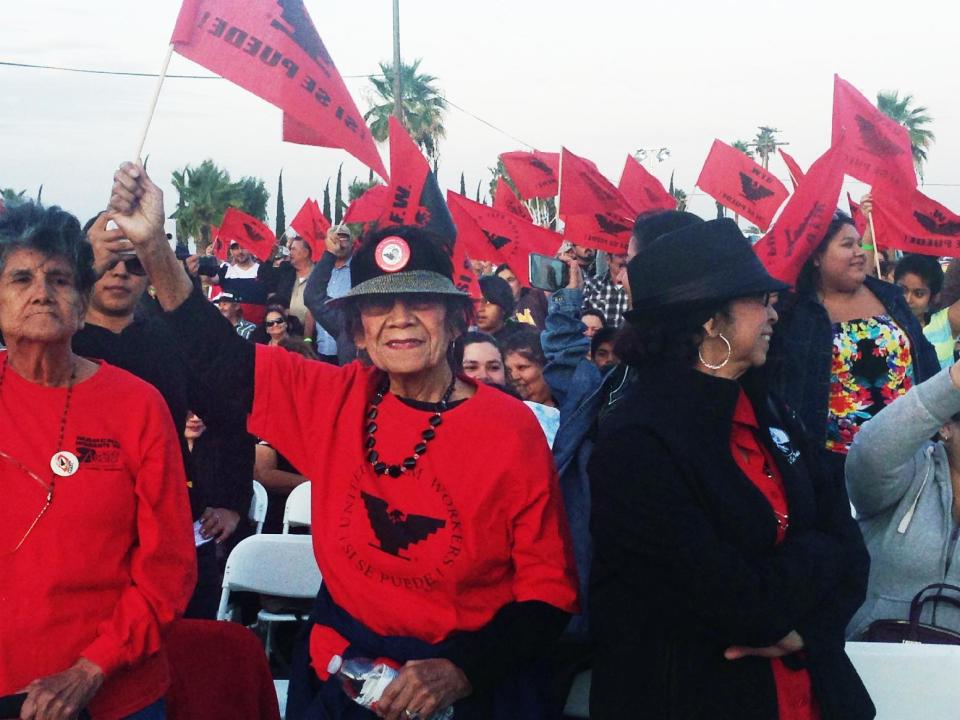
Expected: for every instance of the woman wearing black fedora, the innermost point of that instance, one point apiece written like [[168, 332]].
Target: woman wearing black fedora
[[452, 563], [726, 566]]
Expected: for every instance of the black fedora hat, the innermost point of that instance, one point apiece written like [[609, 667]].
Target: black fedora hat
[[700, 263], [401, 260]]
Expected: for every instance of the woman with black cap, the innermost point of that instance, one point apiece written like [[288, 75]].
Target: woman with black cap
[[726, 565], [454, 563]]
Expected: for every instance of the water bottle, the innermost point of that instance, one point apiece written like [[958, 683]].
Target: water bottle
[[364, 680]]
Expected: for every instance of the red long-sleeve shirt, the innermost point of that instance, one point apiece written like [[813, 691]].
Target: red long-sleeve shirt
[[112, 560]]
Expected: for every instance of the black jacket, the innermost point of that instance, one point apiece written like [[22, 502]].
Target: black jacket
[[685, 562]]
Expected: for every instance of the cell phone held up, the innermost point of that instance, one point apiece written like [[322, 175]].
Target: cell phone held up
[[548, 273]]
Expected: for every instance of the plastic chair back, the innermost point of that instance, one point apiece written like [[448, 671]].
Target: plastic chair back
[[258, 506], [296, 513]]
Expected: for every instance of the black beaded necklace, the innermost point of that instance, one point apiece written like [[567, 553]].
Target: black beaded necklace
[[409, 463]]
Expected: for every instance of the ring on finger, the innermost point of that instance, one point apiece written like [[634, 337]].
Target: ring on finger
[[412, 714]]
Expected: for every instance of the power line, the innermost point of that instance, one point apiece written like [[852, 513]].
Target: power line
[[489, 124]]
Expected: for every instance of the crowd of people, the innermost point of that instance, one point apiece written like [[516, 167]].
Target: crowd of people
[[677, 471]]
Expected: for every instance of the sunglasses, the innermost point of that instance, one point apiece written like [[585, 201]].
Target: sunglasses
[[133, 265], [274, 323]]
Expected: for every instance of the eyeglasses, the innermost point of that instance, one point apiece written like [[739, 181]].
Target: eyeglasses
[[133, 265], [274, 323]]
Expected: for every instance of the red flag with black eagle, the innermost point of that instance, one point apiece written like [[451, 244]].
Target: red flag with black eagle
[[876, 148], [742, 186], [251, 233], [642, 190], [535, 174], [272, 49], [505, 199], [312, 225], [367, 207], [915, 223], [488, 233], [220, 248], [793, 167], [804, 220], [595, 213]]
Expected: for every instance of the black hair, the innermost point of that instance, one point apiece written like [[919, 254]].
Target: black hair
[[501, 267], [595, 313], [926, 267], [667, 335], [603, 335], [471, 337], [809, 273], [525, 341], [51, 231]]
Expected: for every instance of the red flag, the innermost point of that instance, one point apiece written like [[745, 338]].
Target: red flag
[[804, 220], [272, 49], [367, 207], [735, 181], [414, 195], [221, 248], [312, 225], [915, 223], [249, 232], [504, 199], [491, 234], [796, 174], [642, 190], [859, 219], [463, 277], [534, 174], [595, 213], [876, 148]]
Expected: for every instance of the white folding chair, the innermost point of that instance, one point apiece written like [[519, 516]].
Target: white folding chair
[[909, 680], [258, 506], [296, 513], [280, 565]]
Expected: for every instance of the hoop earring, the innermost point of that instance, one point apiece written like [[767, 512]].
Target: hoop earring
[[725, 360]]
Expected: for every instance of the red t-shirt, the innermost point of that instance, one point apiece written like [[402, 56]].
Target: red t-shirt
[[794, 693], [477, 524], [112, 560]]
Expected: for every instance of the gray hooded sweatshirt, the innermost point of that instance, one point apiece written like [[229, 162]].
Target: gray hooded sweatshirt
[[899, 485]]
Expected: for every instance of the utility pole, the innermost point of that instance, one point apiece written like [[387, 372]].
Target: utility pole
[[397, 88]]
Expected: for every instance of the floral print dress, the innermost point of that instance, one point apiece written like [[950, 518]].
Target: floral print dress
[[872, 366]]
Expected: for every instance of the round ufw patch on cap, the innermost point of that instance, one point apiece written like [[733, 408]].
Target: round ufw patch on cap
[[392, 254]]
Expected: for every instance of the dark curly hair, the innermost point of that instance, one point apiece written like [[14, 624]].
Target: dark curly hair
[[525, 341], [666, 336], [50, 231], [809, 273]]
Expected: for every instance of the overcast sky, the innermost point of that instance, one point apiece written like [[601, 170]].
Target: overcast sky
[[602, 78]]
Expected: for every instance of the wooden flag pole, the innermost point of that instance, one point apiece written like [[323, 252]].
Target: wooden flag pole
[[153, 103], [876, 245]]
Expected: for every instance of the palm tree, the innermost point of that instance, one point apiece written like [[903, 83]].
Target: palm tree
[[743, 147], [913, 119], [10, 197], [422, 106], [206, 192], [765, 143], [680, 195]]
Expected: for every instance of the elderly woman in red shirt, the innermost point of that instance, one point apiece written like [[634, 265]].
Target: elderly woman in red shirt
[[96, 553]]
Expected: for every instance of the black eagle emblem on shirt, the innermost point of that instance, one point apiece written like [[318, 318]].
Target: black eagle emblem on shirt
[[394, 529], [253, 233], [875, 141], [611, 227], [752, 190], [938, 224]]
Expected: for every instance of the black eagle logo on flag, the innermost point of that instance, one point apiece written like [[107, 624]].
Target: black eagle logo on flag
[[541, 166], [752, 190], [395, 530], [938, 224], [875, 141], [498, 241], [253, 234], [611, 227]]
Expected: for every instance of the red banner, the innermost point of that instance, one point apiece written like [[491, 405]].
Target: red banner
[[595, 213], [915, 223], [220, 248], [368, 207], [312, 225], [735, 181], [272, 49], [876, 148], [804, 220], [252, 234], [859, 219], [796, 174], [504, 199], [642, 190], [535, 174], [463, 276], [491, 234]]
